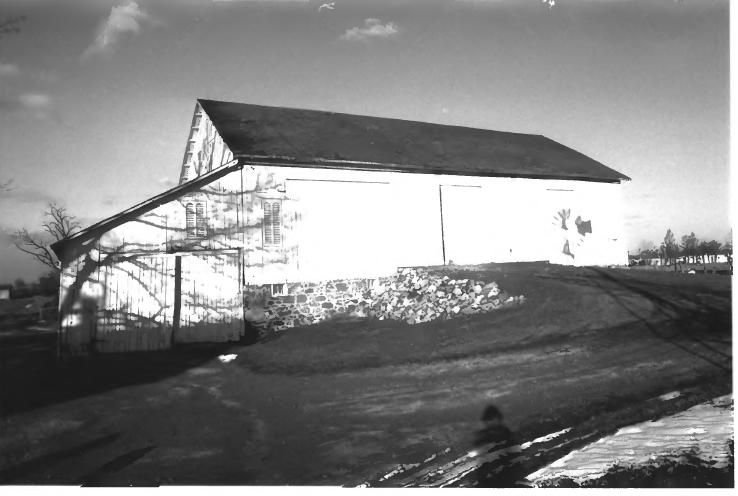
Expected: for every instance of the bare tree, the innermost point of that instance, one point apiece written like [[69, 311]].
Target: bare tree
[[59, 225]]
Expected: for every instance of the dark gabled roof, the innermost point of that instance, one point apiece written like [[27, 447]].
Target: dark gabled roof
[[314, 138]]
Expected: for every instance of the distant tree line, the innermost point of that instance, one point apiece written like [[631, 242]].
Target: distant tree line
[[46, 285], [690, 250]]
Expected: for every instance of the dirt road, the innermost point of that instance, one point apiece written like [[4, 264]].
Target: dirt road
[[591, 353]]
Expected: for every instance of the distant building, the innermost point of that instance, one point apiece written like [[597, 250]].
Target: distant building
[[6, 291], [273, 200]]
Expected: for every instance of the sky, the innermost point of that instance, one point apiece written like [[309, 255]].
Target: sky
[[96, 96]]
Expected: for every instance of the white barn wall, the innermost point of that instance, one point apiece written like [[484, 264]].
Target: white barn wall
[[367, 223]]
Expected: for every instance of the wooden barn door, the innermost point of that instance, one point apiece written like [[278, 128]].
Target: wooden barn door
[[210, 302], [468, 225], [134, 312]]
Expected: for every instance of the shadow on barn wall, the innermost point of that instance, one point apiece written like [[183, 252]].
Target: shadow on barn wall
[[114, 301]]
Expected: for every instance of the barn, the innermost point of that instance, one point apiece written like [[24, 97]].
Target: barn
[[286, 216]]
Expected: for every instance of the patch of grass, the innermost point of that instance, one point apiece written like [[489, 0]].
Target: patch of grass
[[561, 302], [340, 345]]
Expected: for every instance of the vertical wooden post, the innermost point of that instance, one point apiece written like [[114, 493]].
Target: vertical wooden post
[[443, 241], [177, 298]]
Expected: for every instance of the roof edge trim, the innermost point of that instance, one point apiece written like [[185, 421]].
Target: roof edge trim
[[389, 167]]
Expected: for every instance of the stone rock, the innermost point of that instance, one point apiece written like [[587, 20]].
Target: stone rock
[[413, 296]]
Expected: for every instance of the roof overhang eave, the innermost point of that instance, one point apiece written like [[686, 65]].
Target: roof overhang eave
[[145, 206], [320, 163]]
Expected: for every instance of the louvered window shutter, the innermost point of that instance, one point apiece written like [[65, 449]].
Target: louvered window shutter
[[268, 223], [276, 222], [190, 220], [272, 222], [200, 221]]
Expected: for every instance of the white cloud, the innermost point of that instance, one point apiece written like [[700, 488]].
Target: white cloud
[[373, 28], [126, 19], [167, 182], [35, 101], [36, 104], [8, 70]]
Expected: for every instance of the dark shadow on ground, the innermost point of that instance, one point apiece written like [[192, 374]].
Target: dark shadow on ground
[[31, 376], [495, 438], [707, 327], [21, 470], [96, 478]]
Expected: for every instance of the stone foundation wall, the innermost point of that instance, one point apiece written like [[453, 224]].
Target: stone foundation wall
[[413, 296], [303, 304]]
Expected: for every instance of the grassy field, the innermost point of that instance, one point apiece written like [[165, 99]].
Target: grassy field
[[563, 303], [341, 402]]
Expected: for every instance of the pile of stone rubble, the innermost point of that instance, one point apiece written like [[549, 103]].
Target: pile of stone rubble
[[416, 296]]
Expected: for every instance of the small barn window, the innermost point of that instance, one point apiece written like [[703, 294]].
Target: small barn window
[[279, 289], [272, 222], [196, 222]]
